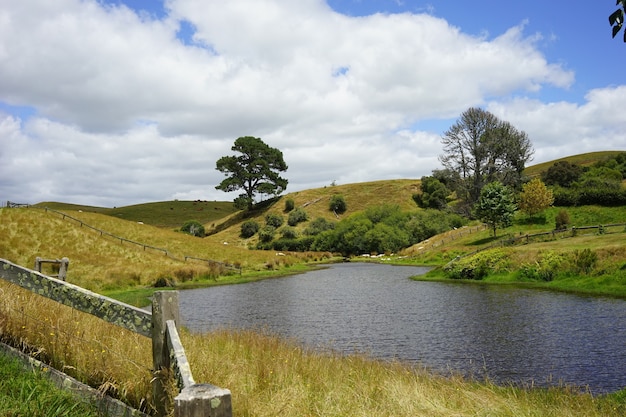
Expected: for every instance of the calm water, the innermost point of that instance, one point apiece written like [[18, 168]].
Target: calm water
[[506, 333]]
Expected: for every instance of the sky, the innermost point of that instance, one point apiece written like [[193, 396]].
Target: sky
[[119, 102]]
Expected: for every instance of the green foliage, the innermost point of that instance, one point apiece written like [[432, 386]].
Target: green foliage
[[267, 233], [561, 220], [584, 260], [478, 266], [546, 268], [434, 194], [249, 228], [562, 173], [616, 19], [297, 216], [338, 204], [275, 220], [255, 171], [382, 229], [194, 228], [496, 206], [289, 205], [535, 197], [318, 226], [289, 233], [29, 393]]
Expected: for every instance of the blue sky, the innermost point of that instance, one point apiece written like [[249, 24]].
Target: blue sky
[[124, 101]]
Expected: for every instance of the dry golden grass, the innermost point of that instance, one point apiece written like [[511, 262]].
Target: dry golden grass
[[270, 377], [99, 262]]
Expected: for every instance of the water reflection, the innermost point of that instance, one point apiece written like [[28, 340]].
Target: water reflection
[[507, 333]]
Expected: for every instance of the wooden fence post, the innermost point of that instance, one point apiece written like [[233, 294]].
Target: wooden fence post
[[164, 308]]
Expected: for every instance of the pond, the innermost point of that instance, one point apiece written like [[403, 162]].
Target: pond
[[507, 334]]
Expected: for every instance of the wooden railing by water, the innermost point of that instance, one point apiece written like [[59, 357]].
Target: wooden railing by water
[[193, 400]]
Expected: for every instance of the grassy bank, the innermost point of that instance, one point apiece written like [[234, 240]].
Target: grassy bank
[[28, 393]]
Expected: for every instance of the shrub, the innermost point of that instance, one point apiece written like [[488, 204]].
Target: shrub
[[267, 234], [318, 226], [478, 266], [338, 204], [297, 216], [562, 220], [249, 228], [585, 260], [289, 205], [193, 228], [545, 269], [288, 233], [275, 220]]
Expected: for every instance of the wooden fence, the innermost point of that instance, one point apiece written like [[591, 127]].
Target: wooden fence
[[143, 245], [193, 400], [522, 239]]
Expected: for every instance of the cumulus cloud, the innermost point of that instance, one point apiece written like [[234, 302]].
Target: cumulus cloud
[[126, 111]]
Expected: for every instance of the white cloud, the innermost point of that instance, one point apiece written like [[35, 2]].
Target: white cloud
[[126, 112]]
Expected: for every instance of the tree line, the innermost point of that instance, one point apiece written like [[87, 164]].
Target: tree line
[[482, 177]]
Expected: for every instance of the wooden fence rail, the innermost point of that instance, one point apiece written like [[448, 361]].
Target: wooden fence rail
[[508, 241], [143, 245], [193, 400]]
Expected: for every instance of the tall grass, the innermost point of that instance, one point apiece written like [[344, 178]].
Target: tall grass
[[269, 376], [28, 393]]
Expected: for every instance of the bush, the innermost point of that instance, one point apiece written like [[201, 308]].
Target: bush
[[267, 234], [193, 228], [545, 269], [288, 233], [249, 229], [478, 266], [585, 260], [289, 205], [562, 220], [275, 220], [297, 216], [318, 226], [338, 204]]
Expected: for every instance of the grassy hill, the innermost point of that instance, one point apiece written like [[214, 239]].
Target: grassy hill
[[585, 160]]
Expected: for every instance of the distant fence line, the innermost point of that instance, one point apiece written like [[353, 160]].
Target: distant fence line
[[143, 245], [573, 231], [193, 400]]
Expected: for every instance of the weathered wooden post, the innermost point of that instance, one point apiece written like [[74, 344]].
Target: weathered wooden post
[[164, 308]]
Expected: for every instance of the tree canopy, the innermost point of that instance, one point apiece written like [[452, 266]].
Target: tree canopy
[[255, 171], [480, 149], [496, 205]]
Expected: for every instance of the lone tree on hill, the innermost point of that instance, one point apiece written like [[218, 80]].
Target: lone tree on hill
[[481, 149], [255, 171]]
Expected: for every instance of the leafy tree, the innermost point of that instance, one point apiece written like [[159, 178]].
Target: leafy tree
[[434, 194], [535, 197], [496, 205], [255, 171], [193, 228], [482, 149], [562, 173], [561, 221], [616, 19], [338, 204]]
